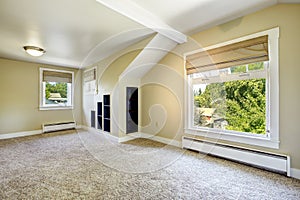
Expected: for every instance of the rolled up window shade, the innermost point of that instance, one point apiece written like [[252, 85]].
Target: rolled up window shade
[[240, 53], [54, 76]]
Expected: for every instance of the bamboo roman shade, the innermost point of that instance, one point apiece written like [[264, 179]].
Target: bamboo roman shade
[[55, 76], [245, 52]]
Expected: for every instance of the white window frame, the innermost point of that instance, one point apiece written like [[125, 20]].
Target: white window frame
[[44, 106], [269, 140]]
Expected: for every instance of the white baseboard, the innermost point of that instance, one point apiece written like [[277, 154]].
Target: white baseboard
[[163, 140], [132, 136], [78, 127], [19, 134], [94, 130], [25, 133], [295, 173], [126, 138]]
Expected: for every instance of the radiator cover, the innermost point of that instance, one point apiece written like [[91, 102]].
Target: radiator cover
[[50, 127], [265, 160]]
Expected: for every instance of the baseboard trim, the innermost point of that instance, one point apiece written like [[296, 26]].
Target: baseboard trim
[[78, 127], [19, 134], [295, 173], [132, 136], [126, 138], [25, 133], [97, 131], [163, 140]]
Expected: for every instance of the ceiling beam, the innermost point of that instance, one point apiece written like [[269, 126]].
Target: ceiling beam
[[155, 50], [144, 17]]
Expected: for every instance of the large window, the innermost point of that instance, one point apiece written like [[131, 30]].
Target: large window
[[233, 90], [56, 89]]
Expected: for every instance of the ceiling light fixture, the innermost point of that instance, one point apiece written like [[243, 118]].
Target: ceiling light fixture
[[34, 51]]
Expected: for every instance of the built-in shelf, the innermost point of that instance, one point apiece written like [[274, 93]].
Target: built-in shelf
[[93, 120], [132, 110], [106, 112], [99, 115]]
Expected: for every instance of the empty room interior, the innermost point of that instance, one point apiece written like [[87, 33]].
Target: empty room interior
[[136, 99]]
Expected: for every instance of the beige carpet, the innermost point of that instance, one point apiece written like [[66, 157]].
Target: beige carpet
[[71, 165]]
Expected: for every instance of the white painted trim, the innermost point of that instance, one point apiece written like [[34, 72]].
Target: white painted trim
[[132, 136], [19, 134], [25, 133], [240, 138], [163, 140], [138, 14], [125, 139], [166, 141], [97, 131], [273, 138], [78, 127], [288, 173], [42, 93], [56, 108], [295, 173]]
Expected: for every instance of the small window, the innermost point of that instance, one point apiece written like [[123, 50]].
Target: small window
[[56, 89], [232, 90]]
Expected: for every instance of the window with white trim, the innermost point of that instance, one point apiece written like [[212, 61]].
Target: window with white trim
[[56, 89], [233, 91]]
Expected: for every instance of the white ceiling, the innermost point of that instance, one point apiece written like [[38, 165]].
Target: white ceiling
[[67, 29], [77, 33], [186, 16]]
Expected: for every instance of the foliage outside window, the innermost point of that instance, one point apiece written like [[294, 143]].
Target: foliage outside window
[[232, 99], [56, 89]]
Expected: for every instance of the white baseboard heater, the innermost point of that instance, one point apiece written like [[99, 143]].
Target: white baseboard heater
[[269, 161], [50, 127]]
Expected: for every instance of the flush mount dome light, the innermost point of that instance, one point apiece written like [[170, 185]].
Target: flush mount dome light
[[34, 51]]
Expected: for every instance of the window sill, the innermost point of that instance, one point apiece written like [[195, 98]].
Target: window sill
[[56, 108], [245, 139]]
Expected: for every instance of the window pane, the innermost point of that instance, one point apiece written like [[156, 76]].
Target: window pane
[[237, 104], [56, 89], [210, 105], [256, 66], [238, 69], [57, 93]]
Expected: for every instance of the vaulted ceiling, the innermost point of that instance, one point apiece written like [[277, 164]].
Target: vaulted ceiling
[[81, 32]]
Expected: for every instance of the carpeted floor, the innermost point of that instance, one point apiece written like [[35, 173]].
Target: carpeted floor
[[82, 165]]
